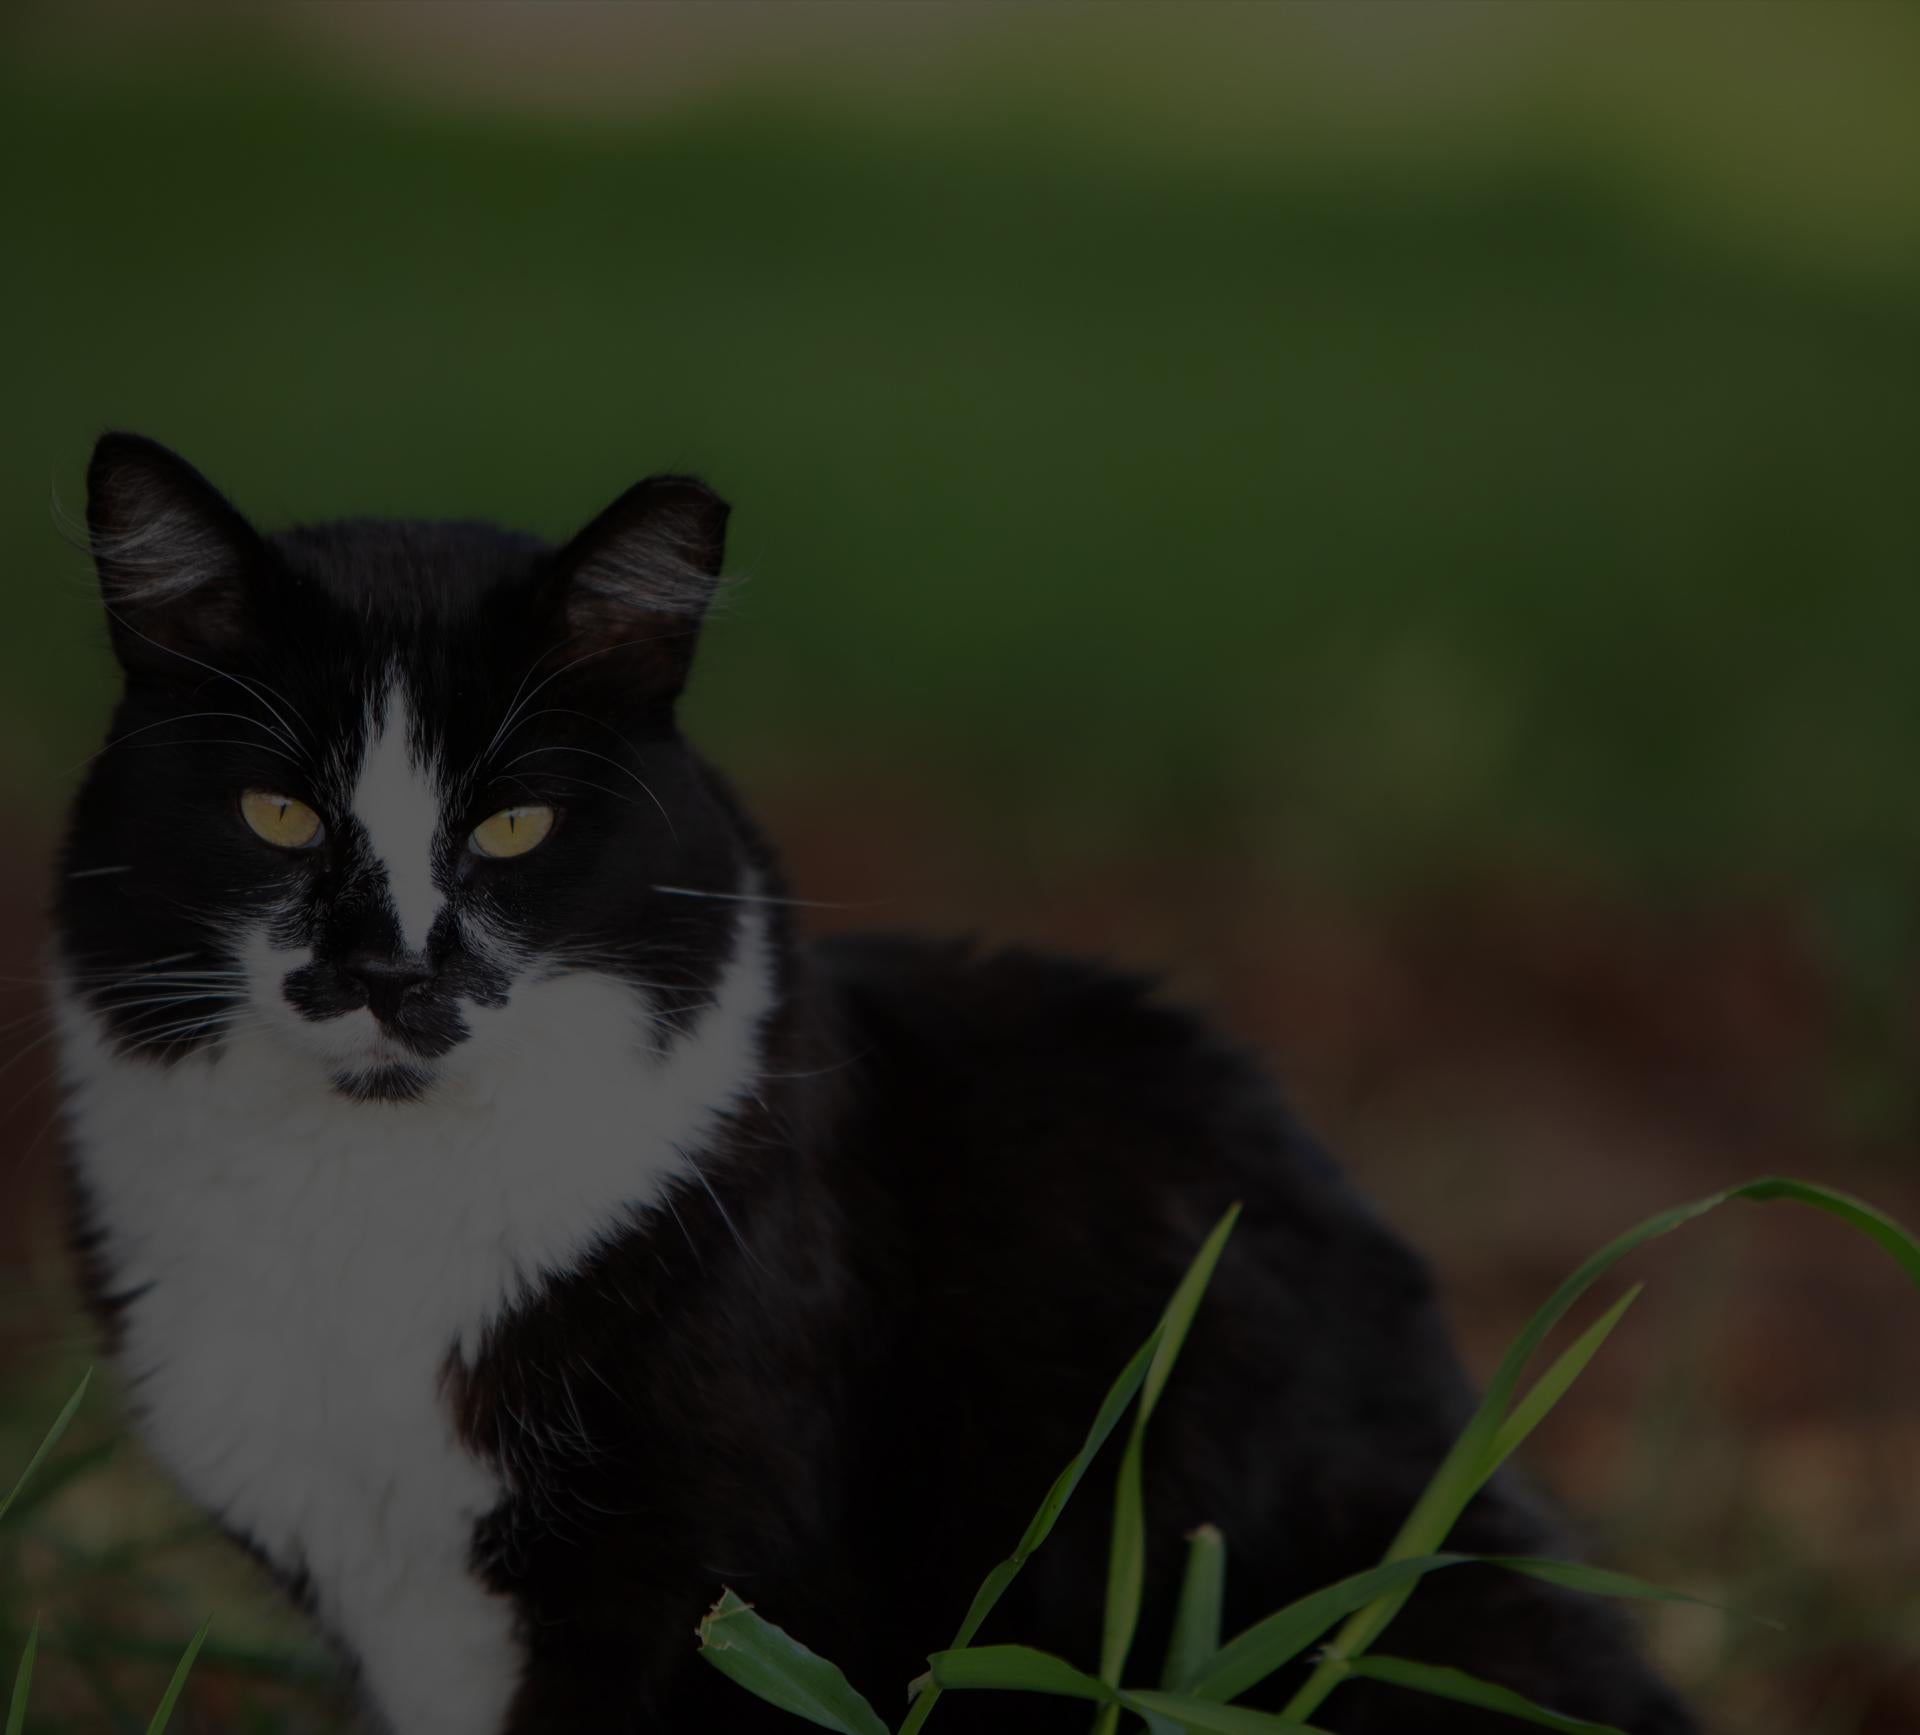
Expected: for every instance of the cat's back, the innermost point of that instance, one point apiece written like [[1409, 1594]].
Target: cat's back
[[998, 1052], [1043, 1123]]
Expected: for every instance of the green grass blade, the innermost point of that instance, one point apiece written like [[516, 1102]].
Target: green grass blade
[[1016, 1668], [1132, 1377], [1270, 1644], [1196, 1617], [1899, 1242], [1465, 1689], [1204, 1717], [22, 1682], [1552, 1385], [1127, 1555], [47, 1445], [1468, 1464], [1600, 1581], [993, 1587], [175, 1687], [300, 1667], [761, 1658], [50, 1481]]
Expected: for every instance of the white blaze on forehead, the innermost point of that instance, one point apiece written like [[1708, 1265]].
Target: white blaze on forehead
[[397, 805]]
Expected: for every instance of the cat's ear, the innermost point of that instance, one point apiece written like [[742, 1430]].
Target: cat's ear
[[638, 580], [172, 555]]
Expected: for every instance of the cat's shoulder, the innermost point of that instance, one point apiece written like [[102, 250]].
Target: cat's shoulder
[[938, 985], [1047, 1107], [990, 1019]]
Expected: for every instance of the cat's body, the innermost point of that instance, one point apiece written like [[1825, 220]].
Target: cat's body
[[515, 1248]]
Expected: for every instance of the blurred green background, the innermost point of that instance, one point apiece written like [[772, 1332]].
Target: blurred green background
[[1404, 515], [1113, 415]]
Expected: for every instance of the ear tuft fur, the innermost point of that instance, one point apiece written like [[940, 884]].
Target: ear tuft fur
[[171, 553], [644, 573]]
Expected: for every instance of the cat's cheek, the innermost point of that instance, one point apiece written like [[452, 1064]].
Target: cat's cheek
[[350, 1038]]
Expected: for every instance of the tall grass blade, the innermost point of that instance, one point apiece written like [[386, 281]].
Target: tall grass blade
[[781, 1670], [1601, 1581], [22, 1682], [994, 1586], [301, 1667], [1465, 1689], [1203, 1717], [1270, 1644], [51, 1480], [47, 1445], [1015, 1668], [171, 1697], [1127, 1556], [1196, 1617], [1552, 1385], [1467, 1466], [1119, 1395]]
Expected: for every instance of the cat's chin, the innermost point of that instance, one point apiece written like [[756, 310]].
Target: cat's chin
[[383, 1081]]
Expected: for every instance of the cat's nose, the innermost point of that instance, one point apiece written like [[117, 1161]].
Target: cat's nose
[[387, 979]]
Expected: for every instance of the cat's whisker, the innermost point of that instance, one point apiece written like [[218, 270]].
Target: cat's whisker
[[206, 741], [185, 998], [519, 704], [575, 782], [20, 1054], [605, 759], [240, 681], [146, 979], [181, 1031], [174, 966], [753, 898], [574, 712], [700, 1175], [172, 722], [25, 1019], [212, 973], [693, 1246], [819, 1071], [144, 964]]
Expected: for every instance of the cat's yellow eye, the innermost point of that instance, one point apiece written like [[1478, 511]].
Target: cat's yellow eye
[[512, 831], [279, 819]]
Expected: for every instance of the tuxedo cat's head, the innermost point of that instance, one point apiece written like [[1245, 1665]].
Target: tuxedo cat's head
[[369, 781]]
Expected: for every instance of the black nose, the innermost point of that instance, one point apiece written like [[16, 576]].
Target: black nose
[[387, 980]]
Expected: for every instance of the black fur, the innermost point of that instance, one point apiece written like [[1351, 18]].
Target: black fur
[[841, 1372], [952, 1241]]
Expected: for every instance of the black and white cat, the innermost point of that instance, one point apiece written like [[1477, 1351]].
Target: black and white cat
[[513, 1233]]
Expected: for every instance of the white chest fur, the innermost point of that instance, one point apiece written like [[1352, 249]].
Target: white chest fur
[[303, 1264]]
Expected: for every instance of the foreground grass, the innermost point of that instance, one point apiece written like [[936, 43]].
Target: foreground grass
[[1203, 1675], [269, 1686]]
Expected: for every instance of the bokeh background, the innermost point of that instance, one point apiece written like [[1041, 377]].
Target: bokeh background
[[1402, 517]]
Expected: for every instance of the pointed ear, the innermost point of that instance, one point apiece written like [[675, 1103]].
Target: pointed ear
[[172, 555], [639, 578]]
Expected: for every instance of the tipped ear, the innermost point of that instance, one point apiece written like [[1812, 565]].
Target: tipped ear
[[640, 577], [172, 555]]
